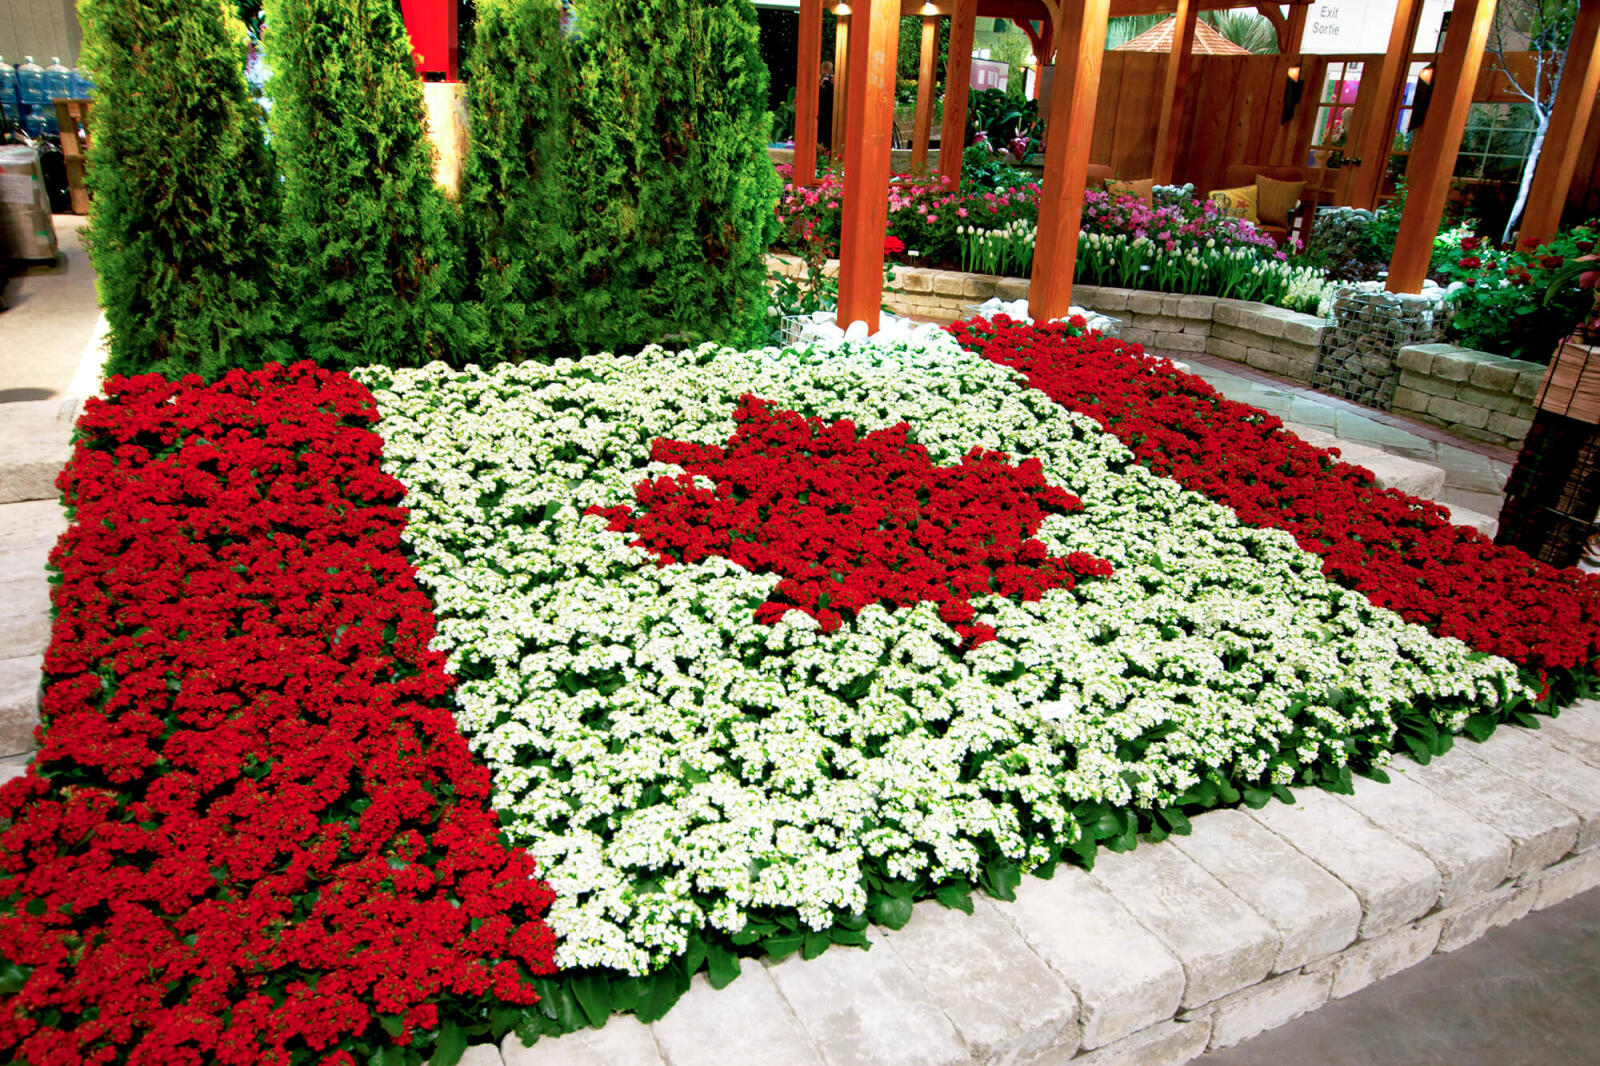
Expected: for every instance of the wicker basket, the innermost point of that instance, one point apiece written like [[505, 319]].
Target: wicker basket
[[1571, 385], [1553, 493]]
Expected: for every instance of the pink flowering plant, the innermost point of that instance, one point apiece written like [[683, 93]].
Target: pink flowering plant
[[1182, 245], [925, 214]]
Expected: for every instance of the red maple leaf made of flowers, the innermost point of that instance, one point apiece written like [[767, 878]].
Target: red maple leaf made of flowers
[[851, 520]]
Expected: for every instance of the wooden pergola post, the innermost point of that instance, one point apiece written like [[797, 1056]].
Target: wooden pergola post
[[808, 76], [869, 128], [1043, 53], [925, 62], [1066, 156], [1378, 132], [841, 70], [1174, 90], [957, 80], [1558, 158], [1435, 147]]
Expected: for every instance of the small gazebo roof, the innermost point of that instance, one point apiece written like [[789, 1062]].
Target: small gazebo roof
[[1158, 38]]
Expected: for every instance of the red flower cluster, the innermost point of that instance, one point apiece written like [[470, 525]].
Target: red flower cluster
[[1401, 552], [252, 830], [850, 521]]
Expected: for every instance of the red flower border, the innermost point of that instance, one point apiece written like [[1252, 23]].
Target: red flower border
[[252, 831], [1401, 552]]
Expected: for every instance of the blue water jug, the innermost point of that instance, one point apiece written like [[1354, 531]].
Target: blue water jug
[[57, 85], [30, 93], [10, 106], [82, 84]]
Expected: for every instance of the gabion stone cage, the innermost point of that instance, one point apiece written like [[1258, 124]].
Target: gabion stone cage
[[1357, 360]]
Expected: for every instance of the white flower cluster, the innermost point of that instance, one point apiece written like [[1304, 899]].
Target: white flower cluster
[[674, 765], [1017, 311]]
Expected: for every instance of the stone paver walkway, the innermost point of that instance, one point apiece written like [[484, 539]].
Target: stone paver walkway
[[1475, 474], [1525, 995]]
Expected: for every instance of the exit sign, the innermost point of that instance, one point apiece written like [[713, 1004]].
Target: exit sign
[[1362, 27]]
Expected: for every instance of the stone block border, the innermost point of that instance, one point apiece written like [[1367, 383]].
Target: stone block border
[[1201, 941], [1479, 396], [1284, 343]]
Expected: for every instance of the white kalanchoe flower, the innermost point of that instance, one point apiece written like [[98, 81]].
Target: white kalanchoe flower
[[674, 766]]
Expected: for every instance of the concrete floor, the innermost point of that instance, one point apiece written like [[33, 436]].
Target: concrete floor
[[50, 320], [1525, 995]]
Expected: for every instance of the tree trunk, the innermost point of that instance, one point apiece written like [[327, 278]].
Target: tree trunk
[[1527, 176]]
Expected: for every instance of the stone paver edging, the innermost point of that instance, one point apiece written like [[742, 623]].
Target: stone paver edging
[[1271, 339], [1478, 395], [1198, 942]]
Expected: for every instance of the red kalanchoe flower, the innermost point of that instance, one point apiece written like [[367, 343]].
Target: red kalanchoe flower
[[252, 827], [893, 245], [1401, 552], [851, 520]]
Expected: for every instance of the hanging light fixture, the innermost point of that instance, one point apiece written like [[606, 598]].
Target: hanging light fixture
[[1293, 89], [1422, 97]]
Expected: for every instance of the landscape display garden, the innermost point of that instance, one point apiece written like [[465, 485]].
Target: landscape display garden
[[742, 650], [423, 671]]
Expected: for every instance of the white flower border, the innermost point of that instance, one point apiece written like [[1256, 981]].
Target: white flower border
[[720, 768]]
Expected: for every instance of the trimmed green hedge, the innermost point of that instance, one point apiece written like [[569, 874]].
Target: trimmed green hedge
[[618, 190], [185, 195], [370, 245]]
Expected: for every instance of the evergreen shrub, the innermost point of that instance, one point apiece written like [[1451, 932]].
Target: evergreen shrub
[[517, 183], [628, 197], [185, 196], [372, 267]]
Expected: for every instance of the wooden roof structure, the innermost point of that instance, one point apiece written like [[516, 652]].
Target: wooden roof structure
[[1072, 34], [1158, 38], [867, 34]]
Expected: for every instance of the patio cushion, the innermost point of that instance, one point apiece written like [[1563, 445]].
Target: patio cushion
[[1240, 202], [1143, 189], [1275, 199]]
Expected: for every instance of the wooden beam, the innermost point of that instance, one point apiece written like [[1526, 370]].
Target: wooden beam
[[1434, 148], [1041, 42], [1563, 140], [841, 71], [926, 59], [1294, 29], [869, 128], [957, 81], [1066, 156], [1377, 129], [1045, 56], [1174, 89], [808, 75], [1280, 25]]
